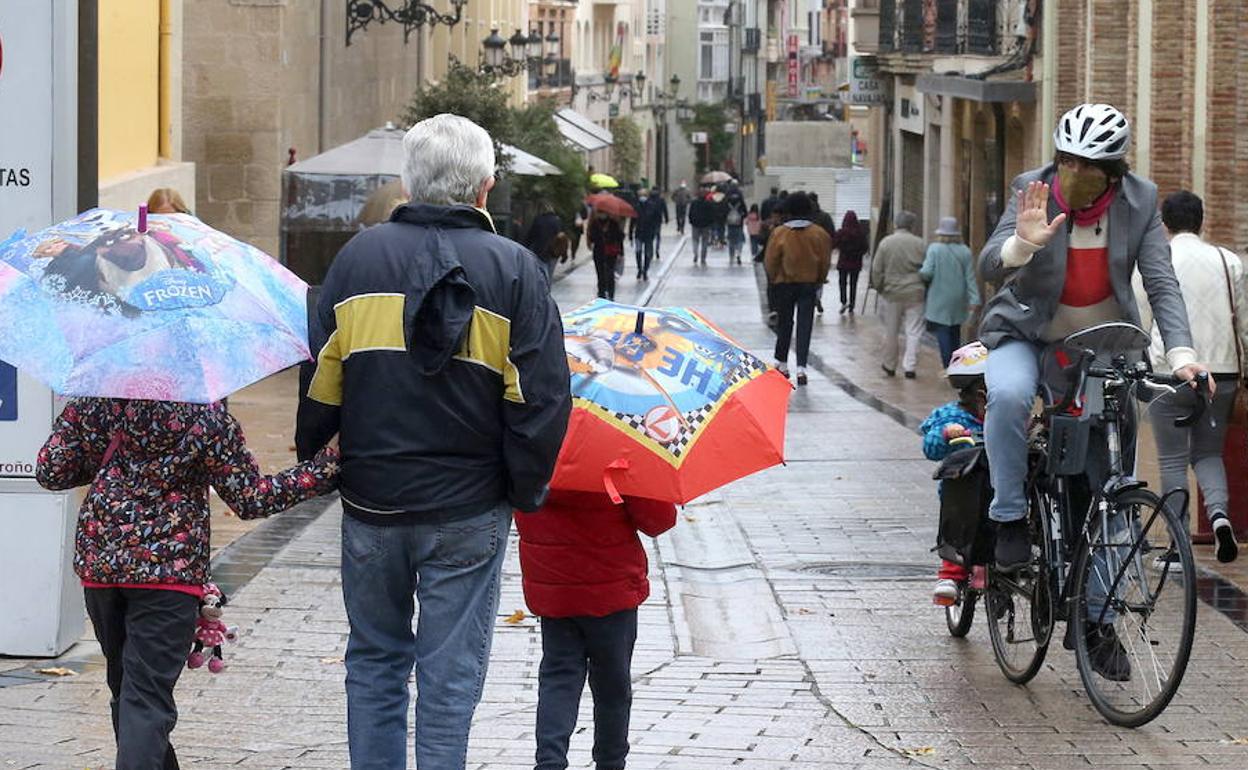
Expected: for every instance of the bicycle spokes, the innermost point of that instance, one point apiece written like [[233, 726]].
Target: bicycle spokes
[[1135, 608]]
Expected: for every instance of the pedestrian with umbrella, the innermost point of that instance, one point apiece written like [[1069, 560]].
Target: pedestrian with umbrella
[[122, 314], [605, 234], [665, 408]]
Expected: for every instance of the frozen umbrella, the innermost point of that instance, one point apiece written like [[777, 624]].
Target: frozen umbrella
[[664, 405], [161, 307]]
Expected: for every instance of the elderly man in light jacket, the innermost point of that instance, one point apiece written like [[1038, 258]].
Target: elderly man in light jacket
[[1213, 289], [895, 275]]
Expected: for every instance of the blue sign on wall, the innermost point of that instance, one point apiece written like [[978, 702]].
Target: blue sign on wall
[[8, 392]]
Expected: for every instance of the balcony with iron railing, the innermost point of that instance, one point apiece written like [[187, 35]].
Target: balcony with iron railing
[[946, 27]]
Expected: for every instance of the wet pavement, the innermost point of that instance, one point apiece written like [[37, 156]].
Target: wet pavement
[[790, 624]]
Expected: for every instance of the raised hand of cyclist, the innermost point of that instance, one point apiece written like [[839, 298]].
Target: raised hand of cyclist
[[1032, 222]]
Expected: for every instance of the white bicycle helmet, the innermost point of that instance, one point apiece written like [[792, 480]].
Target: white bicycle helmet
[[1093, 132], [968, 364]]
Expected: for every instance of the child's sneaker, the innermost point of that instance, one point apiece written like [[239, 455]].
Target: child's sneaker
[[946, 593], [1224, 534]]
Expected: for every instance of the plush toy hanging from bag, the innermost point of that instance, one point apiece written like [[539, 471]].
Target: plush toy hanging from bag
[[210, 632]]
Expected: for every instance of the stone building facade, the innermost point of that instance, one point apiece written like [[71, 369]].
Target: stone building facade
[[265, 79]]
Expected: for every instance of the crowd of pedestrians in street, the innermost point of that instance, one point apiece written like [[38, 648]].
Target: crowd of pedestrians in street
[[472, 335]]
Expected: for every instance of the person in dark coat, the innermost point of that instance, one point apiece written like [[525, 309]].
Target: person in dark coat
[[701, 222], [606, 238], [851, 243], [651, 214], [583, 570], [657, 195], [540, 238]]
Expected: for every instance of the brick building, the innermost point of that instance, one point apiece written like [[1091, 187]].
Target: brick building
[[979, 84]]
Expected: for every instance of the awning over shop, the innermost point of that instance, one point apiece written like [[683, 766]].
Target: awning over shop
[[380, 153], [976, 90], [581, 131], [524, 164]]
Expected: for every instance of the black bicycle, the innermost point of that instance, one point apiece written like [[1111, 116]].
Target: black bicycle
[[1114, 560]]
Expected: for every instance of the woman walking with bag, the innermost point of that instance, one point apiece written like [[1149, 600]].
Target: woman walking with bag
[[851, 244], [606, 238], [1212, 281], [952, 295]]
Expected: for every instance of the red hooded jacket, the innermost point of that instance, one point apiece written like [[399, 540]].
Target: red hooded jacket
[[580, 554]]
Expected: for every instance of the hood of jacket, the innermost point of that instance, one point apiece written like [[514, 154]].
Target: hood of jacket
[[439, 301]]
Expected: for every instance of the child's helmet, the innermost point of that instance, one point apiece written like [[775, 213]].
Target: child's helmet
[[967, 365]]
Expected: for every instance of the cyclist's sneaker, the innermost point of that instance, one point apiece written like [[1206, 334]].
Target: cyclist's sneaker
[[1169, 561], [1013, 548], [1107, 655], [946, 593], [1224, 533]]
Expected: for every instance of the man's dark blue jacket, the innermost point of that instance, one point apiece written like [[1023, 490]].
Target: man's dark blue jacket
[[440, 364]]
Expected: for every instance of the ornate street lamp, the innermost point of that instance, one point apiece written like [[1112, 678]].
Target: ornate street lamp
[[533, 46], [412, 14], [526, 54], [494, 51], [519, 43]]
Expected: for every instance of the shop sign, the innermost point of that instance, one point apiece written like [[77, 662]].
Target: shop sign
[[794, 65], [866, 84]]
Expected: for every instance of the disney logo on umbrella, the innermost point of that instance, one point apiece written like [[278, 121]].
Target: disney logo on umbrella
[[176, 289]]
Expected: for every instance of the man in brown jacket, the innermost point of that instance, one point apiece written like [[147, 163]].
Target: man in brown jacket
[[798, 256]]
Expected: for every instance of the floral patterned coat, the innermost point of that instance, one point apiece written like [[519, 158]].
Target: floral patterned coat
[[149, 463]]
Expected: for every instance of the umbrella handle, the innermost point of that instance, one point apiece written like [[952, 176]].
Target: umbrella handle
[[608, 480], [142, 218]]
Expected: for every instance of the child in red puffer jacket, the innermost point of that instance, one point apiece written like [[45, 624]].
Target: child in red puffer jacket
[[584, 572]]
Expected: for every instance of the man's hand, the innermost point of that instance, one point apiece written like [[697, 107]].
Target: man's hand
[[1032, 223], [1189, 373]]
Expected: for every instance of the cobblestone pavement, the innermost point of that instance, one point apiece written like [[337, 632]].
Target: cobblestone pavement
[[790, 627]]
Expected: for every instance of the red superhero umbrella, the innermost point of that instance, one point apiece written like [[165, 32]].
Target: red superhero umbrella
[[665, 405], [612, 204]]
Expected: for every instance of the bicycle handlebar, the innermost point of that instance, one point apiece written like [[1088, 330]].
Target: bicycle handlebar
[[1139, 374]]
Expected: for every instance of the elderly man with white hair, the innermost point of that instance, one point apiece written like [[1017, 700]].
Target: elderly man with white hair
[[440, 365]]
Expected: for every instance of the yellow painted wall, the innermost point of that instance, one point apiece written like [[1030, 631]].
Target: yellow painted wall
[[129, 83]]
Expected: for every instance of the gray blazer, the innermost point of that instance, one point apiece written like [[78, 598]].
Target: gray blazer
[[1029, 295]]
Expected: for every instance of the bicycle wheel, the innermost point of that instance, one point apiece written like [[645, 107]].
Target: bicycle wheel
[[1133, 620], [960, 615], [1020, 614]]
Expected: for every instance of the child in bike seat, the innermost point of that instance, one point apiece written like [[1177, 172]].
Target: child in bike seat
[[953, 424]]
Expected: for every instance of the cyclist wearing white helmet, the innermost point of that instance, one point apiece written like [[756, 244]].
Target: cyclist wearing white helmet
[[1063, 254], [948, 426]]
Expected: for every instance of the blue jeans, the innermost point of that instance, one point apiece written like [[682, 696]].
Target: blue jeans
[[452, 569], [948, 337], [736, 237], [1013, 381], [574, 649], [1013, 378]]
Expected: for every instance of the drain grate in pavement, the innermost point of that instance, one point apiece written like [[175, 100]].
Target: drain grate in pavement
[[869, 570]]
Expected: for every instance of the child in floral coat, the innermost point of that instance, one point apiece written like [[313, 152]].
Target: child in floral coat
[[142, 542]]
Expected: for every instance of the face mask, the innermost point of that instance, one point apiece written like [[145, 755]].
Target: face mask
[[1081, 188]]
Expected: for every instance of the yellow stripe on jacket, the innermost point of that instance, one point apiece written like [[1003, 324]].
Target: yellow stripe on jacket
[[374, 322], [366, 322], [488, 344]]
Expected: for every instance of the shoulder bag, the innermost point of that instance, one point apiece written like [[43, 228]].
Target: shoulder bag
[[1239, 409]]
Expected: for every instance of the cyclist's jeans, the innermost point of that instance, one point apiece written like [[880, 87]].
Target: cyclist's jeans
[[1013, 378]]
